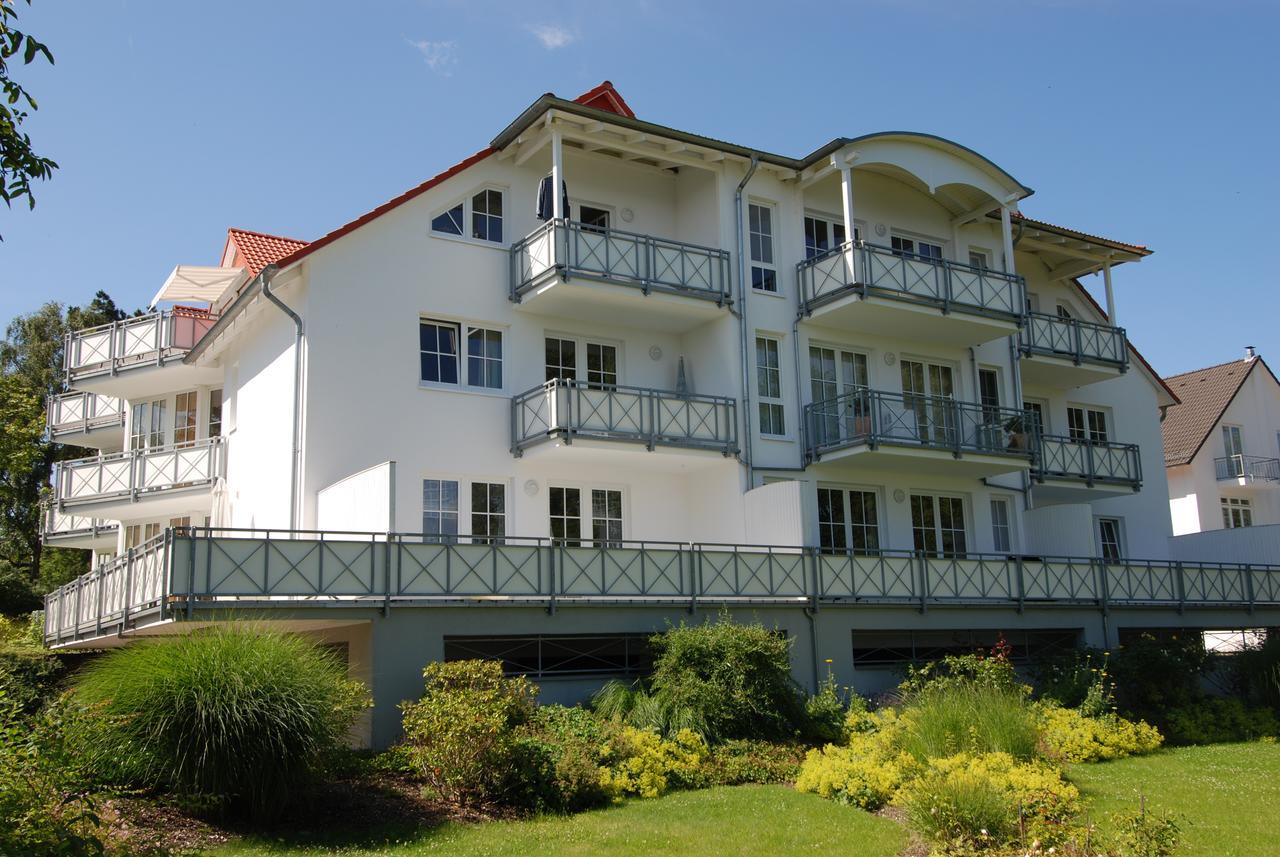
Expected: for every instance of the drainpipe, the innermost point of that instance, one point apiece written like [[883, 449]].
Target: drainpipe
[[743, 295], [266, 275], [802, 434]]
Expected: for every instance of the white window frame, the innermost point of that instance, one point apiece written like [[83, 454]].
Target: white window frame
[[580, 346], [966, 512], [1045, 411], [1011, 535], [466, 201], [464, 328], [1121, 537], [778, 401], [464, 510], [916, 239], [881, 512], [440, 536], [986, 256], [1234, 512], [832, 222], [1087, 412], [576, 205], [586, 513], [772, 235], [1238, 432]]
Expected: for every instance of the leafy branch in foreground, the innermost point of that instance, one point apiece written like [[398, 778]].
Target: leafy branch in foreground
[[19, 162]]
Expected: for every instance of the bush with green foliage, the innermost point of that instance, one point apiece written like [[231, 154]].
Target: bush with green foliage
[[825, 712], [866, 773], [1255, 673], [721, 679], [641, 763], [737, 762], [236, 719], [1158, 673], [575, 741], [1218, 719], [952, 717], [1067, 677], [1067, 735], [1146, 833]]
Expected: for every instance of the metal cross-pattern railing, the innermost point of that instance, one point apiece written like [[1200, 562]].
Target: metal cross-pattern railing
[[1076, 340], [1247, 467], [146, 340], [1088, 460], [874, 417], [570, 249], [57, 524], [80, 412], [198, 569], [570, 409], [859, 267], [135, 473]]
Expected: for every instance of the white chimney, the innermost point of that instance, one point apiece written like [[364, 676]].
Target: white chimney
[[1250, 352]]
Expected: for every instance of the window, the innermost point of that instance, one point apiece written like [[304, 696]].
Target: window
[[562, 360], [566, 516], [439, 510], [438, 354], [769, 387], [937, 525], [543, 656], [484, 358], [1236, 512], [593, 219], [834, 372], [989, 394], [1110, 539], [486, 216], [898, 648], [927, 390], [764, 277], [184, 418], [1063, 312], [1001, 526], [139, 534], [602, 365], [180, 523], [1037, 415], [910, 247], [488, 511], [138, 422], [606, 517], [1087, 424], [156, 436], [979, 259], [848, 521], [1232, 441], [215, 413], [821, 235], [450, 222]]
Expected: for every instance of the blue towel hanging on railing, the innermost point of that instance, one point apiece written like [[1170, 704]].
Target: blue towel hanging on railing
[[546, 206]]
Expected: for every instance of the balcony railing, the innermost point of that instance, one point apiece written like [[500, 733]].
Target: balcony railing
[[195, 569], [1251, 467], [78, 413], [873, 417], [864, 268], [1074, 340], [569, 409], [569, 249], [147, 340], [57, 524], [1091, 461], [135, 473]]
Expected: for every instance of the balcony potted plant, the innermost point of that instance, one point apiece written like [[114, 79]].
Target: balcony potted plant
[[1016, 429]]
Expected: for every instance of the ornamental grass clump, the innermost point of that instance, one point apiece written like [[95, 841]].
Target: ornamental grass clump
[[235, 719], [971, 718]]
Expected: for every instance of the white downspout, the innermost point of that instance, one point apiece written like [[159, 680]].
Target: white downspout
[[266, 275], [743, 293]]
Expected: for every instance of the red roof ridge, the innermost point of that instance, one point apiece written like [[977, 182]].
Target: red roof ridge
[[266, 235], [606, 97]]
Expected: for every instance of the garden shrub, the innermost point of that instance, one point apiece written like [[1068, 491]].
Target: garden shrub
[[575, 741], [994, 670], [1067, 735], [1145, 833], [825, 713], [969, 800], [641, 763], [235, 718], [1155, 674], [29, 678], [737, 762], [958, 716], [1216, 719], [722, 679], [1255, 673], [866, 773], [1066, 677]]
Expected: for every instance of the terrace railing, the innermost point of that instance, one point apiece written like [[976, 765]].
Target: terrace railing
[[146, 340], [56, 523], [1088, 460], [874, 417], [570, 249], [568, 409], [1247, 467], [137, 472], [1076, 340], [79, 412], [864, 268], [199, 569]]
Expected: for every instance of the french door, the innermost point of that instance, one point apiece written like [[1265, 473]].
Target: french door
[[928, 390], [937, 525], [834, 373]]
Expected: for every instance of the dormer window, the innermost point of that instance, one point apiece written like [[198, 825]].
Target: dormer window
[[482, 210]]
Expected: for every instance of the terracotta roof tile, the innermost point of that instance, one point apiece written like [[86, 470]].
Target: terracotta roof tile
[[257, 250], [1205, 394]]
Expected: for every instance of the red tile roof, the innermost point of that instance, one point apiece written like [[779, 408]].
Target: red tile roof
[[1205, 395], [605, 97], [257, 250]]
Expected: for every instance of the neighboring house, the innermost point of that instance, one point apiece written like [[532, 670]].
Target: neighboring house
[[605, 374], [1222, 454]]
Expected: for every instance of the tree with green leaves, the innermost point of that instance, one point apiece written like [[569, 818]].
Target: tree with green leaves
[[19, 162]]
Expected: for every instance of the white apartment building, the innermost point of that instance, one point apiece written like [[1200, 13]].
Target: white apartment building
[[603, 375], [1222, 456]]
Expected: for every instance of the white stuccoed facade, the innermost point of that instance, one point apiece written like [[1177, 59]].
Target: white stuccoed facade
[[949, 467]]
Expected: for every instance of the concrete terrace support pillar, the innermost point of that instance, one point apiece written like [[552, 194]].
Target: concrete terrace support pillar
[[845, 167], [557, 177], [1111, 298], [1006, 233]]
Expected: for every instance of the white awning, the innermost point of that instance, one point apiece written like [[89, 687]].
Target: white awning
[[199, 283]]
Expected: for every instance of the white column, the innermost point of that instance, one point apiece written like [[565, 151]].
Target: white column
[[557, 176], [1006, 232], [1111, 298], [846, 199]]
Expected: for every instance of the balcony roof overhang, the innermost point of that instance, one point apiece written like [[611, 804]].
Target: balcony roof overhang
[[199, 283]]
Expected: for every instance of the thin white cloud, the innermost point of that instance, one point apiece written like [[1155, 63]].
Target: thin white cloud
[[440, 57], [552, 36]]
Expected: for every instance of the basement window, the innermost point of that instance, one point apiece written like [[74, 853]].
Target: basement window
[[547, 656]]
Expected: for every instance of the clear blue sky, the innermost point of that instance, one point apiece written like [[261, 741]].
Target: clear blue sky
[[1149, 122]]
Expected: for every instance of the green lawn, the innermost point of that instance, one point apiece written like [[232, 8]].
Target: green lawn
[[722, 821], [1229, 794]]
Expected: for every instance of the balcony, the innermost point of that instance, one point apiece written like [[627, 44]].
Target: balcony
[[1079, 471], [564, 413], [925, 434], [166, 480], [570, 270], [86, 419], [1247, 470], [64, 530], [1067, 352], [204, 574], [867, 288], [123, 358]]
